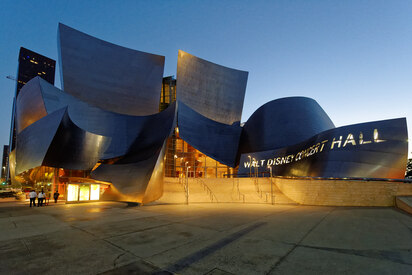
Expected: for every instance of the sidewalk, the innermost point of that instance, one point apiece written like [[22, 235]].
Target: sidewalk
[[111, 238], [16, 202]]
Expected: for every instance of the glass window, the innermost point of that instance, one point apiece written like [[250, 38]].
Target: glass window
[[84, 193], [94, 192], [72, 192]]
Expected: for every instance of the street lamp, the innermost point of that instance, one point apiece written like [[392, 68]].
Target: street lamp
[[271, 186], [256, 174], [181, 171], [174, 162], [256, 167], [187, 183], [250, 166]]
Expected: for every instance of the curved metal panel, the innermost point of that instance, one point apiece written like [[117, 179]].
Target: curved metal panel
[[283, 122], [129, 179], [122, 129], [367, 150], [108, 76], [75, 148], [154, 189], [212, 90], [139, 182], [56, 141], [34, 141], [153, 131], [142, 167], [12, 167], [29, 105], [216, 140]]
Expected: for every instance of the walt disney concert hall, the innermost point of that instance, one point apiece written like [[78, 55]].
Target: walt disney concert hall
[[119, 126]]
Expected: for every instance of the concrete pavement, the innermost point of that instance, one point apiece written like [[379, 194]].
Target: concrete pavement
[[111, 238]]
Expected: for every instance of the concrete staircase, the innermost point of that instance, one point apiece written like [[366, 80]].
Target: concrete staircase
[[173, 192], [404, 203], [232, 190]]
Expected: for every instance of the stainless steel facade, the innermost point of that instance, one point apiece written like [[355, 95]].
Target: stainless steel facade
[[366, 150], [283, 122], [55, 133], [106, 122], [216, 140], [212, 90], [108, 76]]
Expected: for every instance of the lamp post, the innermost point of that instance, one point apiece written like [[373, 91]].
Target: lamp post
[[256, 167], [181, 171], [187, 182], [256, 174], [257, 171], [271, 186], [174, 162], [250, 166]]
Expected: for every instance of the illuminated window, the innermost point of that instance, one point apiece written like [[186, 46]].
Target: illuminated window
[[84, 193], [94, 192], [72, 192]]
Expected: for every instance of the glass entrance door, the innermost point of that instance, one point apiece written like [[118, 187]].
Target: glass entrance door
[[72, 192]]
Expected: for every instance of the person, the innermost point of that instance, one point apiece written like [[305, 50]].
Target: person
[[47, 200], [56, 196], [40, 198], [33, 196]]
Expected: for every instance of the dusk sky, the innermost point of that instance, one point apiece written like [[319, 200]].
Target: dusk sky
[[353, 57]]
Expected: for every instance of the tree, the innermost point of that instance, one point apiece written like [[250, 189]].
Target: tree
[[409, 169]]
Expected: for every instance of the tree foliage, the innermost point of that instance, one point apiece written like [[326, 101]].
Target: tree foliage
[[409, 169]]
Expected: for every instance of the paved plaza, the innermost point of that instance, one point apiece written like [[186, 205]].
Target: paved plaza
[[114, 238]]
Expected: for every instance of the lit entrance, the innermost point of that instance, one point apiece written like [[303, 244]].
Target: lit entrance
[[79, 192]]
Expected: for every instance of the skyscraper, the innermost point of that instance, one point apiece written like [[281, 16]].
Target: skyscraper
[[31, 64], [5, 160]]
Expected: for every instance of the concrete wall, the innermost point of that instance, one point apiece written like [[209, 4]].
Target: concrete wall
[[404, 203], [286, 191], [343, 193]]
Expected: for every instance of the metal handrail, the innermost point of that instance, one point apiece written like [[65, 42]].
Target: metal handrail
[[238, 189], [208, 190], [182, 183]]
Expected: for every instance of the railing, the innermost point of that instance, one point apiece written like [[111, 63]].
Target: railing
[[182, 181], [236, 186], [208, 190]]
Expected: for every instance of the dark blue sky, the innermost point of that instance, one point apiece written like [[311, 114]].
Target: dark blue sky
[[353, 57]]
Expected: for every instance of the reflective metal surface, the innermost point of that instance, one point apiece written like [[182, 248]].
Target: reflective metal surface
[[154, 189], [212, 90], [34, 141], [136, 182], [76, 135], [30, 105], [367, 150], [153, 131], [108, 115], [283, 122], [142, 167], [75, 148], [216, 140], [12, 167], [108, 76], [56, 141], [130, 180], [122, 129]]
